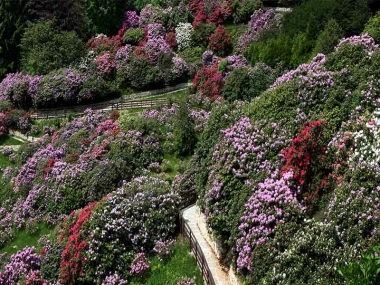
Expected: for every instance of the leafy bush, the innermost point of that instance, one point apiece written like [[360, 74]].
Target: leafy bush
[[373, 27], [184, 133], [244, 9], [133, 36], [41, 48], [328, 38]]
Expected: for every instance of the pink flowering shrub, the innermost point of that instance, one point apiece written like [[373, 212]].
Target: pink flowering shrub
[[163, 248], [186, 281], [140, 264]]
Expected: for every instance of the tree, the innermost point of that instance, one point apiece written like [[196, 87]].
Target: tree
[[67, 14], [373, 27], [184, 132], [103, 16], [237, 85], [44, 48], [329, 38], [13, 17]]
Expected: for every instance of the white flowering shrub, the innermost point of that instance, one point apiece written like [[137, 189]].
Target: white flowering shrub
[[367, 144], [183, 33]]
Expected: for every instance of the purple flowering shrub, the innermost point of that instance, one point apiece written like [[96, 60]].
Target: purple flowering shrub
[[129, 221], [140, 264], [260, 21], [163, 248], [23, 263], [245, 151]]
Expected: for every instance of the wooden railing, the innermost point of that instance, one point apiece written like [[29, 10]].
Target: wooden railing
[[197, 251], [79, 110]]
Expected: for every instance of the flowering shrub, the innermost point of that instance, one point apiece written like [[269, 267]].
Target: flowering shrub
[[305, 158], [130, 19], [163, 248], [21, 264], [106, 63], [183, 34], [101, 43], [114, 280], [260, 21], [127, 222], [171, 39], [186, 281], [73, 256], [364, 40], [209, 82], [220, 41], [140, 264], [274, 202], [244, 152]]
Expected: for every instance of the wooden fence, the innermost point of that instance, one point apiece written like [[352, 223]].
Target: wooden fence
[[79, 110], [197, 251]]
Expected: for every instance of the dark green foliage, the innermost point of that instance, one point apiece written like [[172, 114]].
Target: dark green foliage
[[192, 56], [184, 132], [244, 9], [66, 13], [13, 17], [133, 36], [44, 48], [329, 38], [99, 88], [50, 262], [237, 85], [373, 27], [202, 33], [142, 74], [352, 15], [103, 16]]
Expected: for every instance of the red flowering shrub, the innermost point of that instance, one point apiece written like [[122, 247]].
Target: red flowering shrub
[[102, 43], [306, 158], [49, 166], [114, 115], [209, 82], [171, 39], [73, 255], [220, 41]]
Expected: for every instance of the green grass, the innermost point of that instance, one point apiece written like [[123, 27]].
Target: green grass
[[7, 140], [175, 164], [23, 238], [180, 263], [179, 95]]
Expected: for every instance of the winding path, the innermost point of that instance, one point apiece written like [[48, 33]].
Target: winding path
[[219, 275]]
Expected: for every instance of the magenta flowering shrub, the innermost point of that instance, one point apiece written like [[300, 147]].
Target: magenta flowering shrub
[[156, 43], [140, 264], [273, 202], [21, 264], [208, 58], [122, 56], [59, 87], [260, 22], [106, 64]]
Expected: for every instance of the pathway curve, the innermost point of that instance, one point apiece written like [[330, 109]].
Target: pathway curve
[[220, 276]]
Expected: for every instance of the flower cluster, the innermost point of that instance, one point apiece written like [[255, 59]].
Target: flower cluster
[[21, 264], [186, 281], [140, 264], [130, 20], [274, 202], [364, 40], [183, 33], [260, 21], [163, 248]]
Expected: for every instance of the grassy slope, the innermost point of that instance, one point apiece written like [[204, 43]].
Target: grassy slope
[[23, 238], [180, 263]]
